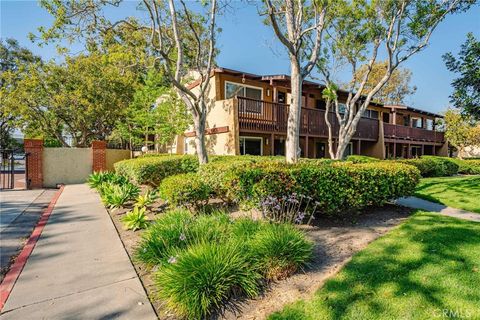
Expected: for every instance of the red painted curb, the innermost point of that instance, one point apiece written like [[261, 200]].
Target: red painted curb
[[11, 277]]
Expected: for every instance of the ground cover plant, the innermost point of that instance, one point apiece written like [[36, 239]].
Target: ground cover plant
[[459, 192], [203, 262], [427, 268]]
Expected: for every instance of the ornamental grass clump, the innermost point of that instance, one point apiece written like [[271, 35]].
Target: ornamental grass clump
[[279, 250], [201, 281]]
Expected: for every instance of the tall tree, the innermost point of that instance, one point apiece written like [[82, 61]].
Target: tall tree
[[299, 26], [360, 32], [461, 132], [82, 98], [466, 94], [13, 57], [397, 88], [183, 42]]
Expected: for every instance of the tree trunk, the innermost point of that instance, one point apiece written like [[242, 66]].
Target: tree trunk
[[199, 125], [292, 144]]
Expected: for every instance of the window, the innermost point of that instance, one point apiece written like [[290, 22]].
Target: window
[[417, 123], [342, 107], [348, 150], [251, 146], [281, 97], [320, 104], [429, 124], [372, 114], [241, 90]]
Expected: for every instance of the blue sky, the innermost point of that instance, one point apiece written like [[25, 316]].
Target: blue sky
[[247, 44]]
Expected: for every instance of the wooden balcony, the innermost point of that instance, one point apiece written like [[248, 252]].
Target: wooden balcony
[[259, 116], [397, 132]]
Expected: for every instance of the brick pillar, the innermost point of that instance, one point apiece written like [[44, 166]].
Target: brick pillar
[[99, 156], [34, 150]]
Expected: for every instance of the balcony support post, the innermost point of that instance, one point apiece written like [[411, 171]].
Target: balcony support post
[[423, 149], [272, 144], [359, 147], [394, 150], [409, 151], [306, 147]]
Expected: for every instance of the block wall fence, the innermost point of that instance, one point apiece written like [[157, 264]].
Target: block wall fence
[[47, 167]]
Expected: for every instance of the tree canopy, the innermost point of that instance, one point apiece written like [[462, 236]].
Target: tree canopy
[[466, 94], [82, 98], [461, 131]]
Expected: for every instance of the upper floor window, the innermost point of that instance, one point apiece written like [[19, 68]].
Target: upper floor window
[[236, 89], [372, 114], [320, 104], [429, 124], [342, 107], [417, 123]]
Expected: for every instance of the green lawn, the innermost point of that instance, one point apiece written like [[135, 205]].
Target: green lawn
[[426, 268], [457, 192]]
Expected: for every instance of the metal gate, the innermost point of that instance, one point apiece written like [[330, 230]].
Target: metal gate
[[13, 169]]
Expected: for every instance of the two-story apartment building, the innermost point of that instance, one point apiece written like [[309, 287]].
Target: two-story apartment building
[[248, 115]]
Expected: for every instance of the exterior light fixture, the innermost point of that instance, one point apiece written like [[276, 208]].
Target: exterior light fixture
[[268, 92], [243, 78], [144, 149]]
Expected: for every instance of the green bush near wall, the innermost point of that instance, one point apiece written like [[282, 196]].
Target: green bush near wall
[[467, 166], [152, 170], [361, 159]]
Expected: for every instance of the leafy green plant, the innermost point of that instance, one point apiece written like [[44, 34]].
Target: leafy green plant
[[185, 190], [115, 196], [152, 170], [135, 219], [96, 179], [279, 250], [198, 283], [335, 186], [147, 199], [163, 237], [431, 166], [361, 159]]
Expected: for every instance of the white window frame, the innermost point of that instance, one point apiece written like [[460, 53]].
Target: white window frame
[[252, 138], [243, 85]]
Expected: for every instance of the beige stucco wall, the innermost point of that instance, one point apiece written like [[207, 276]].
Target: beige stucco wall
[[66, 165], [222, 113], [114, 155]]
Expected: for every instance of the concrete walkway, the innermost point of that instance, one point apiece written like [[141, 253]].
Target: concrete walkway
[[20, 211], [79, 268], [417, 203]]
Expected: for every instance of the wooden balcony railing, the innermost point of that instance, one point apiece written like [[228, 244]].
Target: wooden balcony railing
[[402, 132], [269, 117]]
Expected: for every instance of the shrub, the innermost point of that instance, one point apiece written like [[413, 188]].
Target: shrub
[[200, 281], [467, 166], [279, 250], [221, 170], [335, 186], [115, 196], [431, 166], [152, 170], [185, 190], [135, 219], [361, 159]]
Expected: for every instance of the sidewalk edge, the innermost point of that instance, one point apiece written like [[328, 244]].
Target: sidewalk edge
[[12, 275]]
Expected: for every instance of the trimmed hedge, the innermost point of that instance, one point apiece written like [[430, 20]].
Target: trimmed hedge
[[334, 186], [467, 166], [361, 159], [152, 170], [185, 190], [432, 166]]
